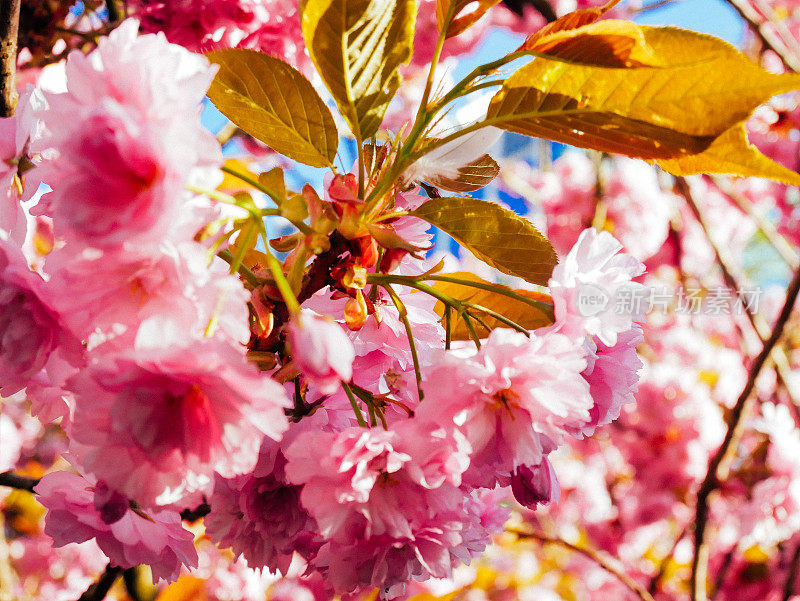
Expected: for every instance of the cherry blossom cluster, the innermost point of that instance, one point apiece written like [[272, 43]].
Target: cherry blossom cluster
[[321, 439]]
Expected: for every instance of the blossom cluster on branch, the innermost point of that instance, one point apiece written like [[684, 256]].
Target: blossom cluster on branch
[[214, 368]]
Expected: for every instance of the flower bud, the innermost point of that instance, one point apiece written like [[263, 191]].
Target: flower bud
[[355, 311], [535, 484], [321, 349]]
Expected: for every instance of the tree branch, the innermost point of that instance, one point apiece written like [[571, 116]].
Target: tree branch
[[719, 465], [192, 515], [12, 480], [610, 564], [788, 587], [542, 6], [757, 321], [99, 590], [9, 33]]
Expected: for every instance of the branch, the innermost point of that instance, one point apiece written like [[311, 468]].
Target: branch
[[610, 564], [788, 587], [542, 6], [99, 590], [759, 324], [787, 50], [12, 480], [9, 33], [319, 276], [192, 515], [719, 465]]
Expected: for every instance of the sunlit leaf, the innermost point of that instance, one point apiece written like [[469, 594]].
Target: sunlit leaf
[[474, 176], [358, 46], [186, 588], [522, 313], [731, 153], [462, 20], [274, 103], [573, 20], [606, 43], [273, 181], [494, 234], [689, 104]]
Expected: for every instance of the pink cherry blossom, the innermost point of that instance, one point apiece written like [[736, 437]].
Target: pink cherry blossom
[[587, 285], [124, 139], [260, 517], [33, 335], [79, 511], [271, 26], [128, 405], [514, 399], [613, 377], [387, 501]]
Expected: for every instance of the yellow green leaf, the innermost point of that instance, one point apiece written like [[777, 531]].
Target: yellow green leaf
[[273, 181], [273, 102], [731, 153], [610, 43], [520, 312], [684, 104], [357, 47], [496, 235], [573, 20]]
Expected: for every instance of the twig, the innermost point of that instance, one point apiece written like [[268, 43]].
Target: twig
[[192, 515], [757, 321], [99, 590], [719, 465], [114, 15], [788, 587], [9, 33], [610, 564], [12, 480], [769, 37], [131, 579]]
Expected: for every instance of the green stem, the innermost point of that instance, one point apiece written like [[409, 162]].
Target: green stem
[[282, 283], [354, 404], [246, 236], [412, 281], [448, 326], [401, 309], [243, 271], [501, 318], [213, 194], [254, 183], [473, 334]]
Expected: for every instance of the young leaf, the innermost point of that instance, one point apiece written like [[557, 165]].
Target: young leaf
[[700, 89], [494, 234], [357, 47], [524, 314], [573, 20], [461, 22], [274, 103], [610, 43]]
